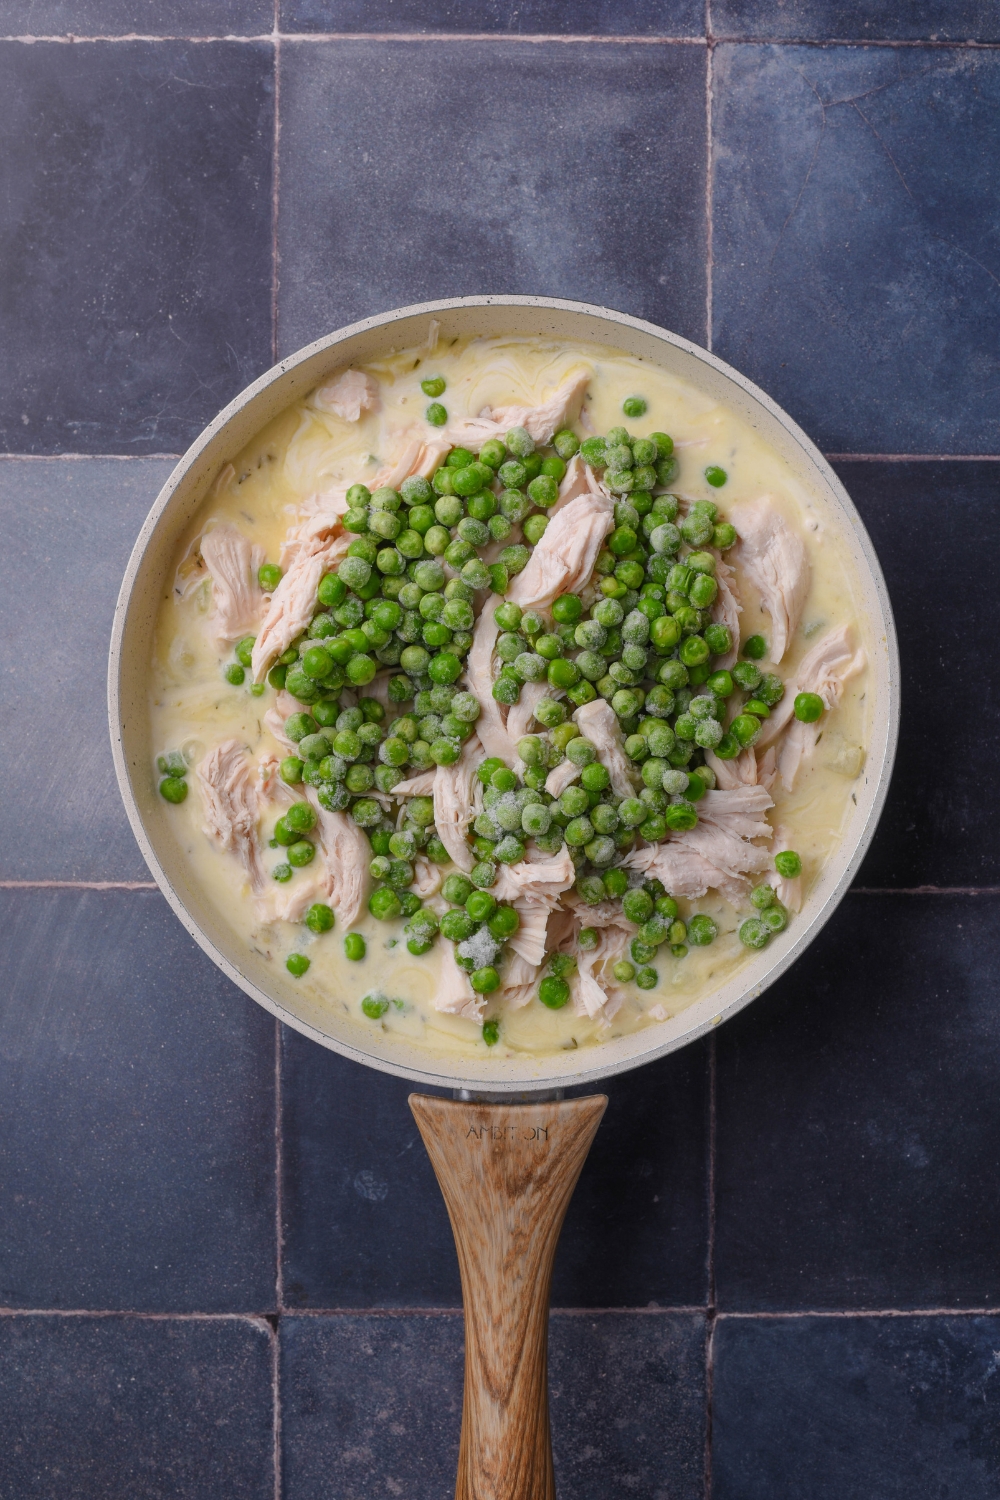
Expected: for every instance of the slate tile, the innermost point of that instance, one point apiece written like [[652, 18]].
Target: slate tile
[[389, 196], [372, 1404], [849, 1408], [857, 1128], [136, 1113], [854, 244], [172, 18], [937, 829], [365, 1224], [628, 1405], [135, 1406], [136, 240], [545, 17], [68, 529], [857, 20]]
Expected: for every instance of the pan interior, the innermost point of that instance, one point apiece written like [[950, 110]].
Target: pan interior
[[146, 579]]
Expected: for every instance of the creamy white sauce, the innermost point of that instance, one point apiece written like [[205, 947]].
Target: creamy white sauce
[[305, 451]]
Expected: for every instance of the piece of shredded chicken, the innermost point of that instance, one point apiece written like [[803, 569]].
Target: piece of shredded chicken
[[718, 852], [232, 561], [346, 855], [598, 722], [727, 610], [347, 395], [453, 802], [824, 670], [564, 559], [227, 778], [542, 421], [774, 561], [293, 603], [491, 725], [454, 994]]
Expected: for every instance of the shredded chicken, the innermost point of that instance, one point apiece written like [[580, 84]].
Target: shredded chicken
[[237, 601], [346, 856], [490, 726], [293, 604], [824, 670], [522, 712], [230, 805], [520, 982], [421, 785], [348, 395], [727, 609], [744, 770], [598, 722], [542, 880], [290, 902], [427, 877], [717, 852], [561, 776], [542, 421], [453, 802], [455, 995], [564, 559], [579, 479], [774, 560]]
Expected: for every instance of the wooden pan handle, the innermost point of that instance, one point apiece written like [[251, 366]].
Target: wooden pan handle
[[507, 1172]]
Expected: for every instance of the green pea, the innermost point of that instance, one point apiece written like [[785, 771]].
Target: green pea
[[319, 918], [762, 896], [491, 1032], [694, 650], [519, 442], [534, 529], [715, 476], [173, 789], [300, 817], [296, 964], [753, 933], [436, 414], [416, 490], [433, 386], [562, 673], [485, 980], [808, 707], [719, 639], [269, 576], [566, 443], [374, 1007], [504, 922], [543, 491], [775, 917], [641, 952], [234, 674], [301, 853], [553, 993], [788, 864], [282, 873], [681, 816], [724, 536], [623, 971], [745, 728]]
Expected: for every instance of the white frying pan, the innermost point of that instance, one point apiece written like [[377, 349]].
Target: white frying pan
[[507, 1168]]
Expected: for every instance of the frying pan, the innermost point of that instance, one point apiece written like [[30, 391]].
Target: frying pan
[[507, 1148]]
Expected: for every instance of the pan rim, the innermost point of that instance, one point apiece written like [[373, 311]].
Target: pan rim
[[535, 1073]]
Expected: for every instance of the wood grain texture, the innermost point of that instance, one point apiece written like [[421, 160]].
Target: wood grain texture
[[507, 1172]]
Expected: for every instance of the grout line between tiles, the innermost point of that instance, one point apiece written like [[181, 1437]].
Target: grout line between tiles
[[276, 1406], [78, 885], [309, 37], [924, 890], [593, 38], [860, 1312], [709, 193], [279, 1200], [48, 458], [257, 1319], [710, 1310], [913, 458], [275, 184]]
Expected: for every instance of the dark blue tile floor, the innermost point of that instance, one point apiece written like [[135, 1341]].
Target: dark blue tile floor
[[224, 1263]]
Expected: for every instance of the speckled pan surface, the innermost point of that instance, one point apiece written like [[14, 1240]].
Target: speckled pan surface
[[142, 589]]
